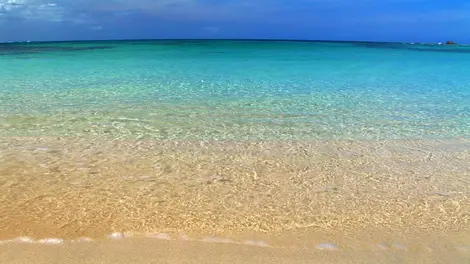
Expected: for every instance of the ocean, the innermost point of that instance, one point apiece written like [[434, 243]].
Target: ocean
[[240, 90], [234, 138]]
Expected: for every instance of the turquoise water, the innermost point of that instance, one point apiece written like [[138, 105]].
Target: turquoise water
[[237, 90]]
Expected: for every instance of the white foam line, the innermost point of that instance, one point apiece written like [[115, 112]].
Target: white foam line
[[326, 246], [218, 240], [258, 243], [23, 240], [208, 239], [51, 241], [161, 236], [83, 239], [117, 235]]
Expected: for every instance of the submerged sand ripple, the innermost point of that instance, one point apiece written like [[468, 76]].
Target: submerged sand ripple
[[77, 187]]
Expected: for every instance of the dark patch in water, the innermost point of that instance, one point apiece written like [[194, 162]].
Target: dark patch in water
[[414, 47], [173, 42], [214, 52], [23, 58], [19, 49]]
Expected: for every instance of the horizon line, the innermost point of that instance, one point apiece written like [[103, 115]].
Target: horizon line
[[195, 39], [217, 39]]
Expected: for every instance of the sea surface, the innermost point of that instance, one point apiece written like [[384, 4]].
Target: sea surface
[[315, 145], [235, 90]]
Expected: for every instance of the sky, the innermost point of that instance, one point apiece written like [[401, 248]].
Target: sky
[[371, 20]]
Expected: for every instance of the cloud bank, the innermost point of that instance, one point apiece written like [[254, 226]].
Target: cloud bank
[[247, 18]]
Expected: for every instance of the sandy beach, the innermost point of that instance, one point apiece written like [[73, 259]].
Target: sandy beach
[[157, 251], [307, 202]]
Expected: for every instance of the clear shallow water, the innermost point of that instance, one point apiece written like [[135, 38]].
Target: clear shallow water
[[267, 93], [235, 90]]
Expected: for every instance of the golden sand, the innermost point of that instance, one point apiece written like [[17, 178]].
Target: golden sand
[[140, 251], [279, 191]]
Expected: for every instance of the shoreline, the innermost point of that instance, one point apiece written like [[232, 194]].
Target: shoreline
[[300, 241], [143, 250]]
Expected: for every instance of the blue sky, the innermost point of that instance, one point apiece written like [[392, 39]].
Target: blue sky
[[377, 20]]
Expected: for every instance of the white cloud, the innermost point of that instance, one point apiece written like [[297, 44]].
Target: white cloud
[[31, 10], [82, 10], [10, 5], [85, 11]]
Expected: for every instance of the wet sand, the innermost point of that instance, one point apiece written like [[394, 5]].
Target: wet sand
[[155, 251], [288, 194]]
